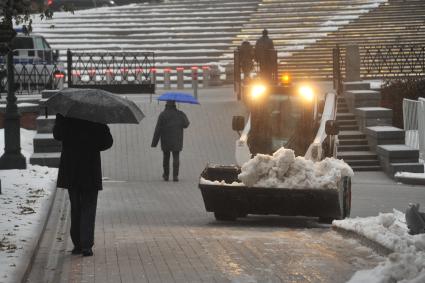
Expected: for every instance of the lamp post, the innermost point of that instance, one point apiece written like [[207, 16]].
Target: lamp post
[[12, 157]]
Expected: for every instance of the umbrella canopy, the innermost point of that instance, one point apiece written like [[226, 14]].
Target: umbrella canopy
[[95, 105], [178, 97]]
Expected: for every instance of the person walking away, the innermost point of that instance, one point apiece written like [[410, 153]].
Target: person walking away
[[265, 55], [169, 129], [246, 54], [80, 172]]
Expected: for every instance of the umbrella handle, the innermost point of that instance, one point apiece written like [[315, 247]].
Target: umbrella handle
[[46, 112]]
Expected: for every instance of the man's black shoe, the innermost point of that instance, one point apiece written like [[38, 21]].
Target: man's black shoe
[[76, 251], [88, 252], [165, 177], [175, 179]]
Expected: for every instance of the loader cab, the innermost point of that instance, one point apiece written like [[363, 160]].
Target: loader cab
[[281, 115]]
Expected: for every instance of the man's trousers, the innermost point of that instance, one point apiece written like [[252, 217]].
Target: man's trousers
[[166, 163], [83, 217]]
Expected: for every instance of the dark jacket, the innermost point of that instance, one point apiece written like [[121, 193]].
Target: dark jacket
[[169, 129], [82, 141], [263, 47]]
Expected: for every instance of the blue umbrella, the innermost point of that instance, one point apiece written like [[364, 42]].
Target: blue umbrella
[[178, 97]]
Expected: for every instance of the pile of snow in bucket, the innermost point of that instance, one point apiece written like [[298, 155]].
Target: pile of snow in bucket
[[284, 170]]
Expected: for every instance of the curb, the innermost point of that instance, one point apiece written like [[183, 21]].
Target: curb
[[411, 180], [25, 266], [377, 247]]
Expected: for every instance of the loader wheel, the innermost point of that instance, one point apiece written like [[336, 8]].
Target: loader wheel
[[326, 220], [242, 214], [347, 198], [224, 216]]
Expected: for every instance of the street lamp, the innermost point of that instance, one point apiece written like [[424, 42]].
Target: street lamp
[[12, 157]]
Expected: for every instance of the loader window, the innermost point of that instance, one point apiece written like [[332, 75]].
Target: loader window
[[285, 115]]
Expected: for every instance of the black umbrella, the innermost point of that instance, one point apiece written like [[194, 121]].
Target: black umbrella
[[95, 105]]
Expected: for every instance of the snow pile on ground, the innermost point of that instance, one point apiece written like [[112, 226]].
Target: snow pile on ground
[[284, 170], [405, 264], [25, 194], [23, 201]]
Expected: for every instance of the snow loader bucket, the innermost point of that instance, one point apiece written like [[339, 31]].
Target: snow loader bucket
[[229, 201]]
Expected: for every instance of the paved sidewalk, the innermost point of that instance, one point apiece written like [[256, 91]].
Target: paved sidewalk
[[159, 232], [148, 230]]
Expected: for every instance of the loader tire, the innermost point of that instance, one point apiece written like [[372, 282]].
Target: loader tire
[[326, 220], [224, 216]]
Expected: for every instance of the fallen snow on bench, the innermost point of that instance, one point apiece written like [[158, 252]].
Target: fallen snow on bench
[[284, 170], [405, 264]]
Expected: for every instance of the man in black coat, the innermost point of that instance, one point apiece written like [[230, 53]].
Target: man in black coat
[[169, 129], [80, 172], [265, 55]]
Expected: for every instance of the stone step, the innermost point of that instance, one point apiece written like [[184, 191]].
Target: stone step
[[347, 122], [348, 127], [343, 110], [353, 142], [356, 86], [412, 167], [366, 168], [357, 155], [345, 116], [46, 143], [372, 163], [397, 153], [45, 159], [350, 135], [379, 135], [45, 125], [353, 148], [410, 179]]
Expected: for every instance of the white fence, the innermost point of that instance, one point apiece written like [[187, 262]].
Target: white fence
[[414, 124]]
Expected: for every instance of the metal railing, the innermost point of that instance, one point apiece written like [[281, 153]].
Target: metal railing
[[382, 62], [34, 71], [414, 124], [399, 60], [119, 72]]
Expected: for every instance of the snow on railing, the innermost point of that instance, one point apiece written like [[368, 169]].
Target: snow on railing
[[414, 124]]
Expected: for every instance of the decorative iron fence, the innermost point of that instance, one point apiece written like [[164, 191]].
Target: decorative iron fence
[[387, 61], [32, 74], [382, 62], [120, 72]]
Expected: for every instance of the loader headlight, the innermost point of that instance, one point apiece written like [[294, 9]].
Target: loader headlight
[[306, 92], [258, 91]]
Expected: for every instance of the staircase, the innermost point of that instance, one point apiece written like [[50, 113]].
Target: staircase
[[186, 33], [353, 146], [47, 150], [393, 22]]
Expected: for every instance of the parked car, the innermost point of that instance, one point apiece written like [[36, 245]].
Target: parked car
[[35, 62], [58, 5]]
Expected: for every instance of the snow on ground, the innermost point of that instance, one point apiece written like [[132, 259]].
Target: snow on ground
[[25, 196], [405, 264]]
